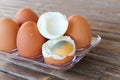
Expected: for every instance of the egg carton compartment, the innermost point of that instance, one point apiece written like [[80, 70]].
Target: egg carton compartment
[[39, 61]]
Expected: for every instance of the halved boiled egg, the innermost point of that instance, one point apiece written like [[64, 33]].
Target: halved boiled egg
[[52, 24], [58, 51]]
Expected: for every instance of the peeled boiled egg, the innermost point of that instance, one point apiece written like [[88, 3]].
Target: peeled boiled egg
[[25, 14], [8, 33], [52, 24], [58, 51], [80, 31], [29, 40]]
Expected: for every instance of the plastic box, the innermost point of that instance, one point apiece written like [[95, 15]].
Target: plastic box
[[39, 61]]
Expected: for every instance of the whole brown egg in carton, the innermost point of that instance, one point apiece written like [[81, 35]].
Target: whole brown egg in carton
[[8, 34], [79, 30], [29, 40], [25, 14]]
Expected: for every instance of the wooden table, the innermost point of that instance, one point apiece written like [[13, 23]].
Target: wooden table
[[102, 63]]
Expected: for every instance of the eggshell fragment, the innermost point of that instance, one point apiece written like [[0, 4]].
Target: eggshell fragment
[[8, 33], [29, 40], [51, 60], [52, 25], [80, 31], [25, 14]]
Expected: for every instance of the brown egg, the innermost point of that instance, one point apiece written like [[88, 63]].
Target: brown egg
[[29, 40], [80, 31], [8, 33], [50, 60], [25, 14]]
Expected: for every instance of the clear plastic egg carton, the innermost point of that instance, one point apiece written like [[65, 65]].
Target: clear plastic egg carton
[[39, 61]]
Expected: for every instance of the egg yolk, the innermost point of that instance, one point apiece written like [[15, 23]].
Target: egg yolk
[[62, 48]]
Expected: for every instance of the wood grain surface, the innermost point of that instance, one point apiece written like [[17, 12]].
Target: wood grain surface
[[102, 63]]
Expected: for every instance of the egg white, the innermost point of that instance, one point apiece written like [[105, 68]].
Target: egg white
[[52, 24], [46, 48]]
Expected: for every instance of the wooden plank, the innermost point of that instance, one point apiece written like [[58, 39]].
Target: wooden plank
[[108, 48], [107, 11], [113, 72], [109, 36], [25, 73], [105, 27], [96, 69], [4, 76], [90, 67], [106, 52], [104, 59], [111, 45], [108, 77]]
